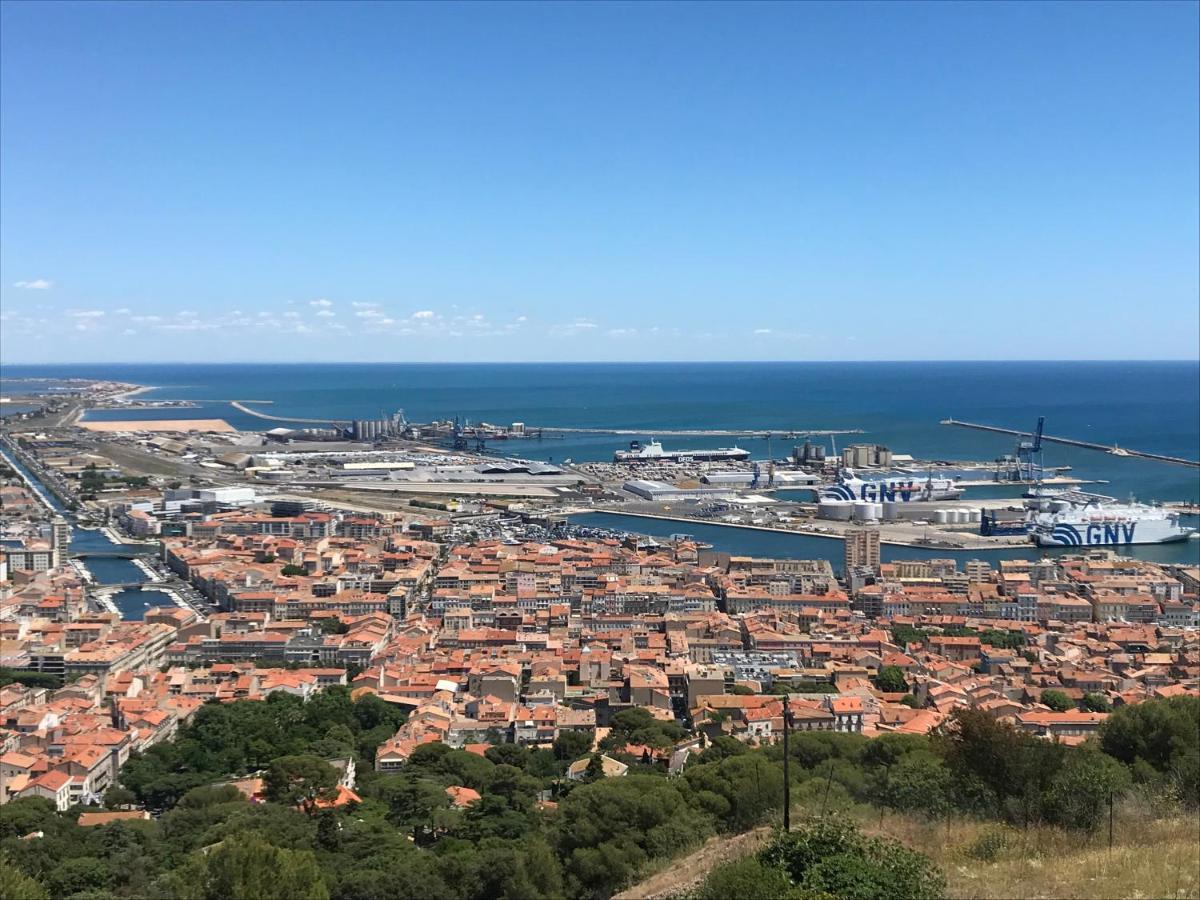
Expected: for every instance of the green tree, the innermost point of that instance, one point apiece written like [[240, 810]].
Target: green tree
[[292, 570], [77, 875], [1096, 703], [251, 867], [918, 782], [1081, 791], [606, 830], [1162, 733], [1057, 700], [742, 690], [571, 745], [595, 768], [300, 780], [997, 770], [116, 797], [508, 755], [890, 680], [16, 885]]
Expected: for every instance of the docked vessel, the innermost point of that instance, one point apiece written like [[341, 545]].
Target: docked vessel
[[901, 487], [653, 451], [1078, 519]]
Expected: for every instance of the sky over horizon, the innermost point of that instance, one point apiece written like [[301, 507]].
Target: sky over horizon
[[544, 182]]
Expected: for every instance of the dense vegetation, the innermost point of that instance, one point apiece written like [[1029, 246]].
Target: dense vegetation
[[533, 834], [826, 858], [30, 678]]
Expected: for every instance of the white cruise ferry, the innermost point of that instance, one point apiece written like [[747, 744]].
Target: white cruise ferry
[[653, 451], [901, 487], [1078, 519]]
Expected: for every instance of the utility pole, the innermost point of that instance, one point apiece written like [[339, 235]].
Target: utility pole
[[787, 781], [1110, 822]]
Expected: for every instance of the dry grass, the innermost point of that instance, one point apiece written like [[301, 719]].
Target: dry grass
[[1150, 858]]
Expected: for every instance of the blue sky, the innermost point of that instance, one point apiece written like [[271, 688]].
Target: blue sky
[[598, 181]]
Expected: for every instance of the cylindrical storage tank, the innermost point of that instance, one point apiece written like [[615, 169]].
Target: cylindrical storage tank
[[960, 516], [964, 516], [839, 510], [890, 510], [862, 510], [976, 515], [941, 517]]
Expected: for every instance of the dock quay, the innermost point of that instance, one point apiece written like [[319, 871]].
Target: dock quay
[[240, 406], [1072, 442]]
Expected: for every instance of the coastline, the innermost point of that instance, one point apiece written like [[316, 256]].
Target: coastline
[[125, 395]]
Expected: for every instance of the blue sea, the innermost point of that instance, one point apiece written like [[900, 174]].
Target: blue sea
[[1152, 406]]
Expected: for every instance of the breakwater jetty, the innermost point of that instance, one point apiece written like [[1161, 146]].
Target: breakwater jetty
[[240, 406], [1113, 450]]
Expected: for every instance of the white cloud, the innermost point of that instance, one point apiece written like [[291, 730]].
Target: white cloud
[[357, 305], [123, 311], [622, 332], [369, 314], [147, 319], [87, 313], [573, 328], [291, 314], [762, 330], [522, 318], [322, 303], [326, 313], [129, 331], [37, 284], [423, 314]]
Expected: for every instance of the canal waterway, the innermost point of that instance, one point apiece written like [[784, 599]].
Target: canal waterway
[[756, 542], [131, 603]]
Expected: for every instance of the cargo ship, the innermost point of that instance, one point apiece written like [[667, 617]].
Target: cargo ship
[[1078, 519], [653, 451]]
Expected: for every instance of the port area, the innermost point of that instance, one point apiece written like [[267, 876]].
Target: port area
[[759, 512], [804, 484]]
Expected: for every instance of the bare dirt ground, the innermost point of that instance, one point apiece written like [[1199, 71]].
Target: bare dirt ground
[[686, 873], [160, 425]]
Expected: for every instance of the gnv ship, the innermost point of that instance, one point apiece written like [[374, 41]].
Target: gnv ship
[[904, 488], [1076, 519], [653, 452]]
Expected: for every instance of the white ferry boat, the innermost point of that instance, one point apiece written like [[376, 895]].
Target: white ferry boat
[[902, 487], [652, 451], [1078, 519]]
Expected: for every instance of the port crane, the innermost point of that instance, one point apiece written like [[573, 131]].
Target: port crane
[[1029, 454]]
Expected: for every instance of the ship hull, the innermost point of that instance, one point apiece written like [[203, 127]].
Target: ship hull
[[1086, 534], [682, 455]]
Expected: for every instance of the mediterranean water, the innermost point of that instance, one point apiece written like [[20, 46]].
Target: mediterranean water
[[1152, 406]]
